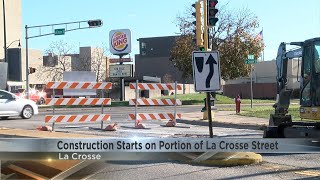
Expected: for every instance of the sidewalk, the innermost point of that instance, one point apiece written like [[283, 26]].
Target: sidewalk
[[224, 119], [18, 133]]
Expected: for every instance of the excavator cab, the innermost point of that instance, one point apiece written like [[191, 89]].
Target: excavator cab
[[280, 123], [310, 81]]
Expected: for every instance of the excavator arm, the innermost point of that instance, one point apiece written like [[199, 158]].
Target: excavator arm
[[280, 118], [283, 93]]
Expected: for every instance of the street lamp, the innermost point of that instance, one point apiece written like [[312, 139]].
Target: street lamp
[[19, 45]]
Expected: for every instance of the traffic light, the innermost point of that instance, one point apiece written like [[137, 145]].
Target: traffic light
[[198, 23], [32, 70], [95, 23], [211, 12]]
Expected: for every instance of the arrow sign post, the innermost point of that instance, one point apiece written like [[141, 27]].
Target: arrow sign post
[[206, 71], [206, 75]]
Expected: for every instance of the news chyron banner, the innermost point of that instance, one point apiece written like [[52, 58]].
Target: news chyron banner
[[145, 148]]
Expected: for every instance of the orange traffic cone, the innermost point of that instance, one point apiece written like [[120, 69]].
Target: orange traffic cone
[[44, 128], [139, 125], [171, 123], [111, 127]]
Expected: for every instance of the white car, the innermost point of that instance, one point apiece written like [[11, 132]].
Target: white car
[[12, 105]]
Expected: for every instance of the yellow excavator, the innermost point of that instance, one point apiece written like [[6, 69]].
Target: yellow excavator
[[280, 123]]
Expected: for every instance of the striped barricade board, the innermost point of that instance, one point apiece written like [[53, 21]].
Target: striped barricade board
[[154, 102], [77, 118], [153, 116], [77, 101], [154, 86], [79, 85]]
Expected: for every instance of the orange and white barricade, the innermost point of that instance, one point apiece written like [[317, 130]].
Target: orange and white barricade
[[85, 118], [138, 117]]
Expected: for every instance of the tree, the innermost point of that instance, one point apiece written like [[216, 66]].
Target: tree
[[57, 62], [60, 59], [95, 61], [234, 37], [167, 78], [181, 54]]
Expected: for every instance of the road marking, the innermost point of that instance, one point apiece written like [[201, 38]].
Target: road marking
[[277, 167], [309, 173]]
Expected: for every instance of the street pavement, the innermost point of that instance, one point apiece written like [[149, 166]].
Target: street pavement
[[226, 124], [176, 171], [187, 126]]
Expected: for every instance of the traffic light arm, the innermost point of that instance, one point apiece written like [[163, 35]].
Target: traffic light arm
[[80, 26]]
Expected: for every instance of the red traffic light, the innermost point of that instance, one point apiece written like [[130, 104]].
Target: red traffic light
[[212, 12], [212, 3]]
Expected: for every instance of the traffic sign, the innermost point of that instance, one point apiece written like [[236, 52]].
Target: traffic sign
[[250, 61], [124, 70], [250, 56], [116, 60], [59, 31], [206, 71]]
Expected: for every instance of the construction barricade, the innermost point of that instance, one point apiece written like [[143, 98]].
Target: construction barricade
[[84, 118], [138, 117]]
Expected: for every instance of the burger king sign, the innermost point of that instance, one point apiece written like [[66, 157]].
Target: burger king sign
[[120, 41]]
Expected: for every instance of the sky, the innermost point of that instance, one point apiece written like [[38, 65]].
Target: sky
[[281, 20]]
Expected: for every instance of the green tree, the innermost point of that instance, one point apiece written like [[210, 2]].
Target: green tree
[[234, 37]]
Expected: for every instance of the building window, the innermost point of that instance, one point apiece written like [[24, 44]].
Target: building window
[[143, 45], [143, 53]]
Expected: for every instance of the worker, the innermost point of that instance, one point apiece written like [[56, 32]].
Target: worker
[[238, 102]]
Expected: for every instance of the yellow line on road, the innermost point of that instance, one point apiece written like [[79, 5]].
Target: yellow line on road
[[308, 173], [283, 167]]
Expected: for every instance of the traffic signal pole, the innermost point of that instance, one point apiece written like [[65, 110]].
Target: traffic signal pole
[[27, 63], [91, 23], [205, 40]]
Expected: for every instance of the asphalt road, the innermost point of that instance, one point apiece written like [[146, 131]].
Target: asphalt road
[[118, 114], [275, 166]]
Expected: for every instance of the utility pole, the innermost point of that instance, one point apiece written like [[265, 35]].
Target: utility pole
[[4, 31], [27, 63]]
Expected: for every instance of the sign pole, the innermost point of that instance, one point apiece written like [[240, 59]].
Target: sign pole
[[121, 82], [209, 115], [251, 85], [136, 104]]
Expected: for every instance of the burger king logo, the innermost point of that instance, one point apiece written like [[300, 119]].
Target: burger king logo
[[119, 41]]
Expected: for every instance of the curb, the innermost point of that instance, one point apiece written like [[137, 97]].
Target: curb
[[223, 124], [20, 133], [227, 159]]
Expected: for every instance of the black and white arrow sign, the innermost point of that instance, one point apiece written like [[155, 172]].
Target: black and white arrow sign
[[206, 71]]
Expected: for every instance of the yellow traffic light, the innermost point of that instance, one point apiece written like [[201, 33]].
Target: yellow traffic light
[[198, 23]]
